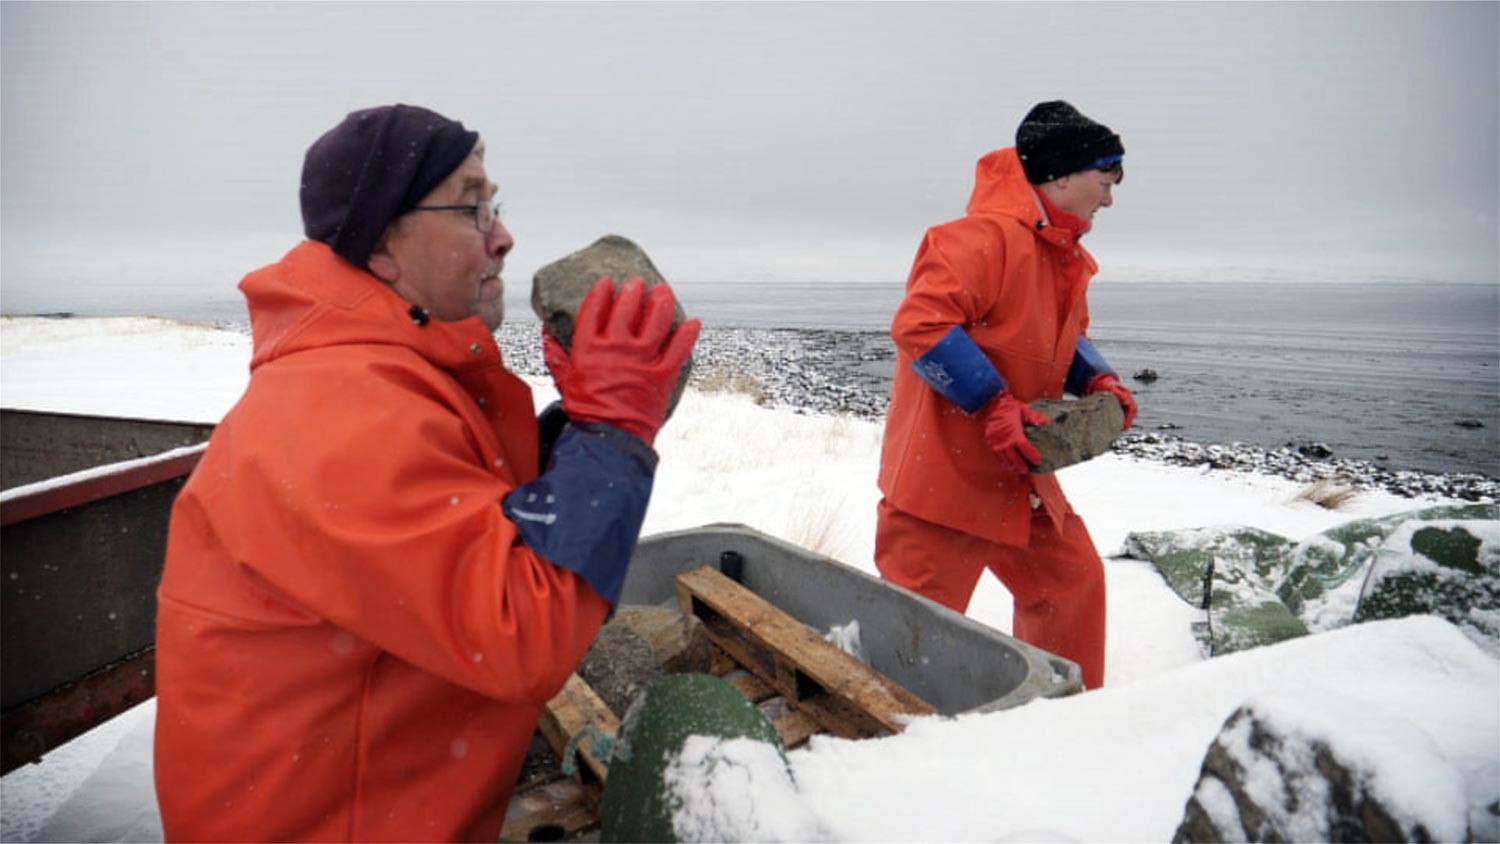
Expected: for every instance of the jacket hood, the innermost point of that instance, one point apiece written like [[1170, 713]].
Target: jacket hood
[[1000, 187], [312, 299]]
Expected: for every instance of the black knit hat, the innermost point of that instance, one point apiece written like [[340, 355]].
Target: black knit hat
[[372, 168], [1054, 140]]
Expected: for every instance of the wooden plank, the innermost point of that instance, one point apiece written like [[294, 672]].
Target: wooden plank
[[722, 664], [749, 685], [575, 707], [795, 728], [568, 805], [838, 691]]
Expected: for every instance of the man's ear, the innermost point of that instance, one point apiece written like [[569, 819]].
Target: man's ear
[[383, 265], [1058, 187]]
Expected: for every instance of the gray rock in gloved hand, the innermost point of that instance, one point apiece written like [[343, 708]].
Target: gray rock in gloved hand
[[1081, 429], [557, 290]]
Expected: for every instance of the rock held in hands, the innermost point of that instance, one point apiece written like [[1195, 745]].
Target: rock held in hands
[[557, 290], [1081, 429]]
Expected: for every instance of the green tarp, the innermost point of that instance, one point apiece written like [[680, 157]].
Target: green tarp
[[1257, 587], [637, 804]]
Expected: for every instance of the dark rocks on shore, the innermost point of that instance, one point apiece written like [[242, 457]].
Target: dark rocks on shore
[[1287, 463], [1317, 451]]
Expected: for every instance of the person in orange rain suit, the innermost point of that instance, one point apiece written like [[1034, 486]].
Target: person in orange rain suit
[[385, 564], [995, 316]]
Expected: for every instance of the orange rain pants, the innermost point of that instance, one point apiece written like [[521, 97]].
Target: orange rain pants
[[1059, 573]]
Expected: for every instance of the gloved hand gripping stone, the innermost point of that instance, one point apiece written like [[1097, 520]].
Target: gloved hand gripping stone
[[557, 290]]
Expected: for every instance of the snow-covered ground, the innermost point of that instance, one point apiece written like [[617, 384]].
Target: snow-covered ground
[[1117, 764]]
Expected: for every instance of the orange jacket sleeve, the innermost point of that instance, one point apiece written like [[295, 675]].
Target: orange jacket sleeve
[[947, 286]]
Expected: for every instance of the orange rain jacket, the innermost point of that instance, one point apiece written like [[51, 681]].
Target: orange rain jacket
[[352, 642], [1016, 285]]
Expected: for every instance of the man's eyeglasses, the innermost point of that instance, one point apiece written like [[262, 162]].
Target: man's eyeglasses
[[484, 213]]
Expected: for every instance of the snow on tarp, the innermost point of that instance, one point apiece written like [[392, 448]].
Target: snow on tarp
[[707, 784]]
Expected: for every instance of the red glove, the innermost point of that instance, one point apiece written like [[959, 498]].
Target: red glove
[[1107, 382], [625, 359], [1004, 421]]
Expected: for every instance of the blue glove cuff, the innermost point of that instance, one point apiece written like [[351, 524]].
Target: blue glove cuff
[[1087, 365], [585, 512], [957, 368]]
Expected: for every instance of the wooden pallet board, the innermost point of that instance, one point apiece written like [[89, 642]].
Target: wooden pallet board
[[840, 693], [569, 806], [793, 725], [752, 687], [572, 709]]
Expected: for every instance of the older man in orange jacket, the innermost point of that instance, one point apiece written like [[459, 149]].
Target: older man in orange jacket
[[995, 315], [384, 565]]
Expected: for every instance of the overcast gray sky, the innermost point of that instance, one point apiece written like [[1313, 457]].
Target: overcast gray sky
[[748, 141]]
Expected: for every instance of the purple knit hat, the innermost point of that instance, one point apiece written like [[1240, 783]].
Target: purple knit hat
[[372, 168]]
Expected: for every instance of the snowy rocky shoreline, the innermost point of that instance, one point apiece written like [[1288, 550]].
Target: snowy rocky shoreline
[[847, 372]]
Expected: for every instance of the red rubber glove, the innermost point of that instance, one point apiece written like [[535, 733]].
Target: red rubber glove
[[1005, 418], [1108, 383], [625, 358]]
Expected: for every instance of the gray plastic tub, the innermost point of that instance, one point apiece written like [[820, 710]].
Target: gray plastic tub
[[954, 663]]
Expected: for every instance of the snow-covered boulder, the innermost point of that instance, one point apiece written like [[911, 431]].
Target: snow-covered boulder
[[1284, 770]]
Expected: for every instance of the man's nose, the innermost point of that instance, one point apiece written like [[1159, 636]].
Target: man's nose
[[499, 241], [1109, 198]]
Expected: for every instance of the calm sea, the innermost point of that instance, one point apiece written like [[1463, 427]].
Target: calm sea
[[1403, 373], [1406, 374]]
